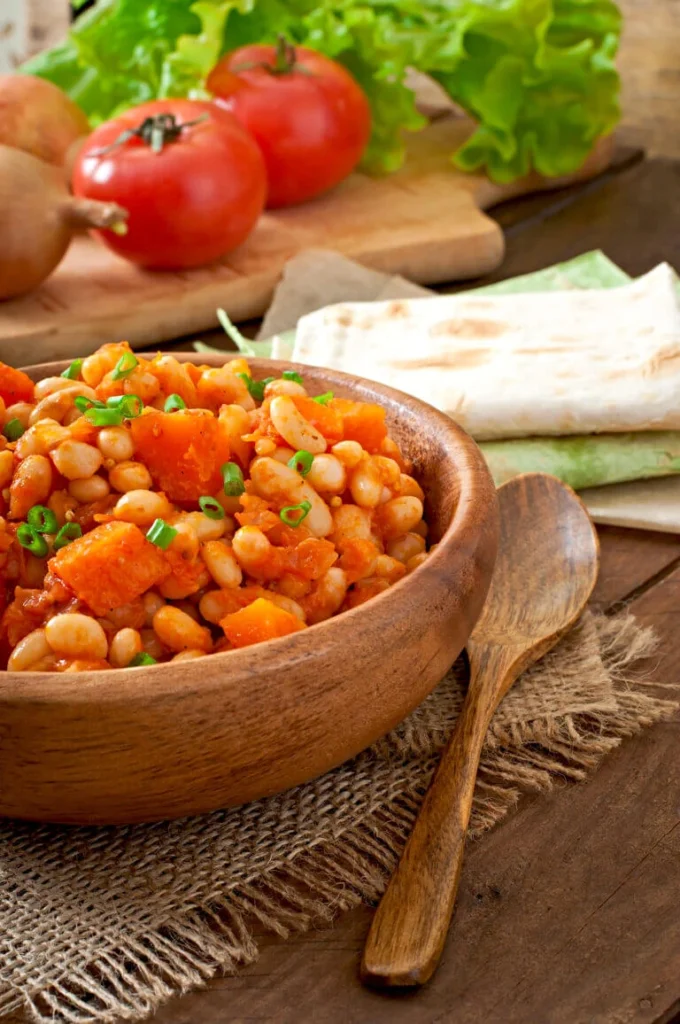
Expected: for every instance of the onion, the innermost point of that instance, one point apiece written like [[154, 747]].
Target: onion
[[38, 219]]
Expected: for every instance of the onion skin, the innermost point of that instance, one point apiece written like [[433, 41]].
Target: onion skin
[[38, 117], [39, 218]]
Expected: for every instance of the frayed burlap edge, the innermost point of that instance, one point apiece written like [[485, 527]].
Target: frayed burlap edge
[[354, 866]]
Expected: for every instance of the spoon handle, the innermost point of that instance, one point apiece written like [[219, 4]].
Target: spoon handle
[[409, 929]]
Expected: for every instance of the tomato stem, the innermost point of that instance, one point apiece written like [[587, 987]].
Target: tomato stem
[[285, 57], [155, 131]]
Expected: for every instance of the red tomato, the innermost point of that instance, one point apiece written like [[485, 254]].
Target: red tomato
[[308, 115], [192, 202]]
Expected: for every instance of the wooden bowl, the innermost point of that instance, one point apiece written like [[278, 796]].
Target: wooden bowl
[[178, 739]]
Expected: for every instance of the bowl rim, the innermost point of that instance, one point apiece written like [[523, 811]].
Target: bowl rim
[[119, 685]]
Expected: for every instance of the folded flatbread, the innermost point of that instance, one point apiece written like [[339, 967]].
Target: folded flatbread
[[503, 366]]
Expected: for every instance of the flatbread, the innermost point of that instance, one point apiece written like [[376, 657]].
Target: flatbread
[[503, 366]]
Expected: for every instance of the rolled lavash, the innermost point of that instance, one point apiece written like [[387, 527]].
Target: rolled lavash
[[521, 365]]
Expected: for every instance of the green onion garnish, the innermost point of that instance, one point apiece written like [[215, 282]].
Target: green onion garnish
[[233, 479], [289, 516], [174, 402], [104, 417], [68, 532], [124, 367], [323, 399], [82, 404], [292, 375], [129, 406], [42, 519], [14, 429], [301, 462], [72, 372], [30, 539], [142, 659], [211, 507], [160, 534], [255, 387]]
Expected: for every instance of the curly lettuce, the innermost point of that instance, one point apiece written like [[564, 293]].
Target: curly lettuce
[[537, 76]]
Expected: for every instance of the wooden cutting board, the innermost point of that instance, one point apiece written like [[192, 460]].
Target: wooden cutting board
[[425, 222]]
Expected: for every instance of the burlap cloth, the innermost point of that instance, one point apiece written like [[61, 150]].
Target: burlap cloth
[[103, 924]]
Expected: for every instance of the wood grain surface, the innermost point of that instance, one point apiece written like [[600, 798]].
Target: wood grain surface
[[546, 569], [110, 747]]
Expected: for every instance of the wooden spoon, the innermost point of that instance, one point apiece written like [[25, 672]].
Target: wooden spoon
[[547, 566]]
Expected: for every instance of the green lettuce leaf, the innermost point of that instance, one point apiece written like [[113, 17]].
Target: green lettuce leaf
[[538, 76]]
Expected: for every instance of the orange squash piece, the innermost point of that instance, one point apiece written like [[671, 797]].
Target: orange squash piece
[[110, 566], [259, 621], [184, 451], [363, 422], [325, 418], [15, 385]]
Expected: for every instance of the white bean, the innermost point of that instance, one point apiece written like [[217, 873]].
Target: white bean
[[6, 469], [41, 438], [406, 547], [273, 480], [124, 645], [411, 487], [141, 507], [214, 605], [329, 593], [116, 443], [76, 460], [252, 549], [179, 632], [417, 560], [152, 602], [57, 405], [28, 651], [204, 527], [400, 516], [93, 489], [31, 485], [327, 474], [283, 454], [365, 484], [188, 655], [130, 476], [283, 387], [387, 568], [151, 644], [222, 564], [49, 385], [76, 636], [350, 453], [351, 523], [19, 411], [298, 432]]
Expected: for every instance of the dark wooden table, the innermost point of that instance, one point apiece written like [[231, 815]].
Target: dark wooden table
[[569, 913]]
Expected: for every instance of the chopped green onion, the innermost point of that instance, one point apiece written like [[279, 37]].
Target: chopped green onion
[[142, 659], [211, 507], [104, 417], [68, 532], [72, 372], [232, 478], [160, 534], [129, 406], [124, 367], [289, 516], [174, 402], [82, 403], [301, 462], [255, 387], [324, 399], [14, 429], [30, 539], [42, 519], [292, 375]]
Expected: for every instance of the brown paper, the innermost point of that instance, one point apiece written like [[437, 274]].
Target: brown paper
[[318, 278]]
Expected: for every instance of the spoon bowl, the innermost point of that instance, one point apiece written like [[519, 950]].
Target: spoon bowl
[[546, 569]]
